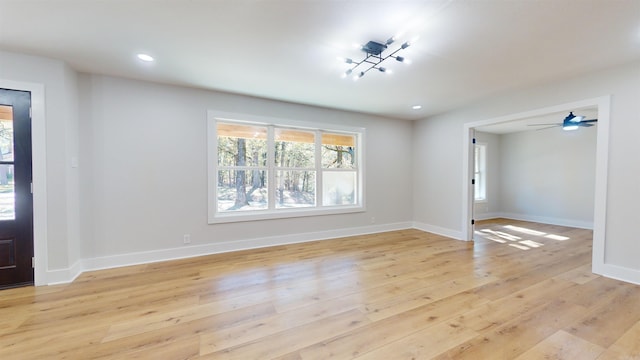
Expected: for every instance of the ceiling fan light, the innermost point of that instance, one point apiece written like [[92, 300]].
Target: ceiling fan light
[[570, 127]]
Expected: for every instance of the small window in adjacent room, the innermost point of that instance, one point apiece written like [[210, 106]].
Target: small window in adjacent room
[[265, 169], [480, 172]]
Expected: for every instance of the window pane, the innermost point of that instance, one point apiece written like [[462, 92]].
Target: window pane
[[294, 148], [295, 188], [338, 151], [476, 153], [338, 188], [242, 145], [6, 140], [7, 193], [240, 190], [480, 187]]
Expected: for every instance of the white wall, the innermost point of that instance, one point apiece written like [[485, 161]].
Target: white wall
[[54, 181], [438, 200], [549, 176], [144, 173]]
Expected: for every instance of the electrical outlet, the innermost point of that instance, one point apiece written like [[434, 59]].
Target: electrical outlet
[[186, 239]]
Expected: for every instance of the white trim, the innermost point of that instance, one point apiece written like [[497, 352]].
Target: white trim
[[145, 257], [619, 273], [215, 217], [602, 155], [468, 201], [600, 199], [457, 235], [64, 276], [540, 219], [39, 169]]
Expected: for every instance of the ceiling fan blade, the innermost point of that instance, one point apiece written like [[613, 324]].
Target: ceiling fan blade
[[583, 124], [589, 121], [556, 124]]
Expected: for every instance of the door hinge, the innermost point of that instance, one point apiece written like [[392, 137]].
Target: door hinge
[[33, 262], [473, 181], [31, 187], [473, 222], [30, 116], [473, 140]]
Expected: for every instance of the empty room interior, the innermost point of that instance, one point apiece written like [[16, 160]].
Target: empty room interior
[[436, 179]]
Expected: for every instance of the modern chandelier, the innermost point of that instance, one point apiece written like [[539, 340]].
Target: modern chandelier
[[374, 57]]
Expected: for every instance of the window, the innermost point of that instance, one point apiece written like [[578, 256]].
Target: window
[[262, 169], [480, 172]]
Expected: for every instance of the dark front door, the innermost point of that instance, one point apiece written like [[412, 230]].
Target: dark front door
[[16, 200]]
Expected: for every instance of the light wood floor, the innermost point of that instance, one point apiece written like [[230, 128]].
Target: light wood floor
[[520, 291]]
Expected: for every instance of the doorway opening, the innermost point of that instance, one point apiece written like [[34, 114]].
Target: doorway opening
[[602, 104]]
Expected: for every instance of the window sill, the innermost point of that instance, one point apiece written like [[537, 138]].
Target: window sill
[[282, 214]]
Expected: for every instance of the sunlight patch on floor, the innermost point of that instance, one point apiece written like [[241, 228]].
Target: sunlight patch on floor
[[531, 243], [503, 235], [521, 247], [556, 237], [524, 230], [517, 241]]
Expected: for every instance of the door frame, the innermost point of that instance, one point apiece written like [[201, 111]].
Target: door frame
[[470, 187], [601, 176], [38, 165]]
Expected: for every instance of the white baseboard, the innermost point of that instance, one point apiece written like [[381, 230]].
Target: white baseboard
[[454, 234], [618, 273], [145, 257], [540, 219], [486, 216], [63, 276]]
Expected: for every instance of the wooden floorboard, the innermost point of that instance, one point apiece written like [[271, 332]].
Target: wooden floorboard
[[520, 291]]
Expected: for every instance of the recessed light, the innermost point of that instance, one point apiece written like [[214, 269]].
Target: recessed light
[[145, 57], [416, 107]]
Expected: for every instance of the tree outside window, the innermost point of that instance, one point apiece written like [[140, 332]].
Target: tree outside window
[[276, 168]]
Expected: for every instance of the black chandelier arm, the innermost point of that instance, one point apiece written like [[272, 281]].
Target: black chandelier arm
[[375, 59]]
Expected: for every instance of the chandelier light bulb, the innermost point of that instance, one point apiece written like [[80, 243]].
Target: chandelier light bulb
[[375, 54]]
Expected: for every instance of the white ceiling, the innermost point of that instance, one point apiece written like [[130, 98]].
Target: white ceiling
[[287, 50]]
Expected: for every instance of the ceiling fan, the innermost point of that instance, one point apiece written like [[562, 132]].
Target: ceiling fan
[[571, 122]]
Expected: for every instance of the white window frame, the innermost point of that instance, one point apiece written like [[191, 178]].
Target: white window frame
[[215, 217], [480, 175]]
